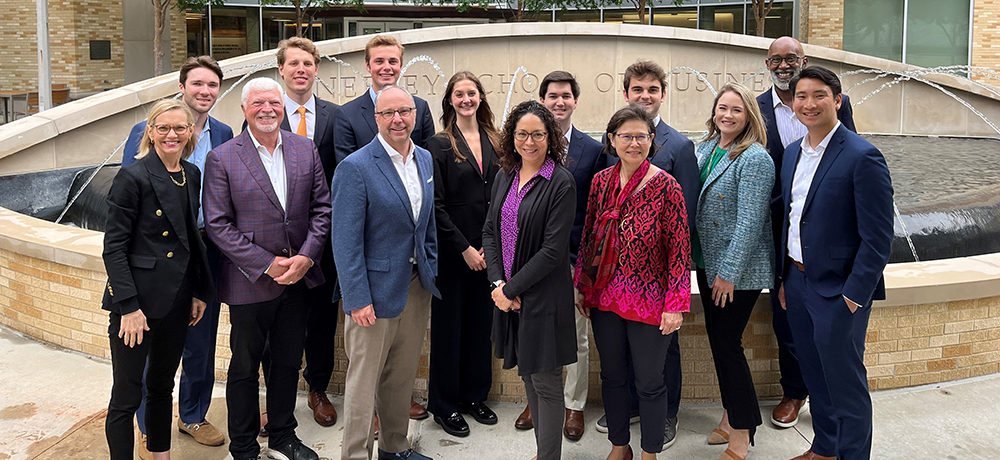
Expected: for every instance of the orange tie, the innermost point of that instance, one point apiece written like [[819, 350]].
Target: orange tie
[[301, 131]]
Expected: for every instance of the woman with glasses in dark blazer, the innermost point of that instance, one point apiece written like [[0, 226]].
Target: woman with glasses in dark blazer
[[526, 243], [158, 276], [465, 164]]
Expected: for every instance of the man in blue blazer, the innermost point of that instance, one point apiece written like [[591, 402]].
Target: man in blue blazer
[[837, 197], [200, 78], [645, 84], [385, 245], [560, 93], [356, 119], [785, 60]]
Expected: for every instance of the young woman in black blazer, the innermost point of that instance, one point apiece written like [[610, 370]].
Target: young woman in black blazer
[[465, 164], [526, 243], [158, 276]]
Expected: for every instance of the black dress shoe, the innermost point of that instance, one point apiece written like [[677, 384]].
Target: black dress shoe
[[294, 450], [453, 424], [408, 454], [479, 411]]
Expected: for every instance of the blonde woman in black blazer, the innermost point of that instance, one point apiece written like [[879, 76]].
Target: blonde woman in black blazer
[[158, 276], [465, 164]]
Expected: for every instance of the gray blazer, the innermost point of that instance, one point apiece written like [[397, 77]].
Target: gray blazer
[[734, 218]]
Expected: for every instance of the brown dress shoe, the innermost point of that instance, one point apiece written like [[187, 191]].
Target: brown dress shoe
[[140, 447], [263, 423], [376, 426], [417, 412], [323, 411], [809, 455], [573, 426], [523, 421], [203, 433], [786, 414]]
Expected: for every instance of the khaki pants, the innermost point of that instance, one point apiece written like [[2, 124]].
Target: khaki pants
[[383, 364], [578, 373]]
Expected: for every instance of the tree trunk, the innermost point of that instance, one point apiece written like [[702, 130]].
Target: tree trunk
[[298, 17], [761, 8], [160, 10], [642, 12]]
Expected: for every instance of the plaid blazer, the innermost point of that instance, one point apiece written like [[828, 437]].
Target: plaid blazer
[[244, 218]]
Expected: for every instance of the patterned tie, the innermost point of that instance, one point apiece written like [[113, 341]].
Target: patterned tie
[[301, 131]]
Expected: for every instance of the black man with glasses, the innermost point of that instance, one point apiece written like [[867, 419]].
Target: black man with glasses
[[785, 60]]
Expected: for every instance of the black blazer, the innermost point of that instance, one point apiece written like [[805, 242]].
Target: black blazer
[[544, 330], [355, 125], [586, 158], [147, 244], [462, 192]]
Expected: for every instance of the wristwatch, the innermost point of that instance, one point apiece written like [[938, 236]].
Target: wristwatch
[[496, 283]]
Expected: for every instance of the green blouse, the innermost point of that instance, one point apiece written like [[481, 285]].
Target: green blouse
[[696, 254]]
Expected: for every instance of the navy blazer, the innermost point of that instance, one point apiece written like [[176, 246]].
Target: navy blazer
[[220, 132], [846, 227], [375, 236], [774, 147], [355, 125], [586, 158]]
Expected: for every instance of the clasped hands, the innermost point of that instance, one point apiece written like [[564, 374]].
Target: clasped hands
[[134, 324], [502, 302], [288, 270]]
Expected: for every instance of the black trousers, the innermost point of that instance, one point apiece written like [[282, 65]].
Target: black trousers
[[279, 324], [725, 328], [461, 367], [671, 378], [320, 330], [617, 339], [545, 398], [162, 345]]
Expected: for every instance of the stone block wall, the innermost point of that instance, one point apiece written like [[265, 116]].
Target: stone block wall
[[825, 24], [986, 36]]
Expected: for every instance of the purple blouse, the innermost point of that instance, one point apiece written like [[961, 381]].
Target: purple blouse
[[508, 213]]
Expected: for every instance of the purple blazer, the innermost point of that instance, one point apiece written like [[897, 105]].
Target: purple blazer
[[244, 218]]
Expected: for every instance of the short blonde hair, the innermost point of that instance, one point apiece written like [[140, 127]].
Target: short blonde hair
[[753, 132], [382, 40], [161, 107], [303, 44]]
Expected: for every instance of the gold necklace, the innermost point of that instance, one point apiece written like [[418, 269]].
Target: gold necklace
[[184, 178]]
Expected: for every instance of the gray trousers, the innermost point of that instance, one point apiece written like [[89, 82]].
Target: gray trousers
[[545, 398]]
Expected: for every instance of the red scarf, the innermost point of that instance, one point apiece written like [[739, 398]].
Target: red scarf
[[603, 248]]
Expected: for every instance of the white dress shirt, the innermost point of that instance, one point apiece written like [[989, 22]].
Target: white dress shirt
[[790, 129], [567, 136], [805, 169], [274, 166], [292, 112], [408, 174]]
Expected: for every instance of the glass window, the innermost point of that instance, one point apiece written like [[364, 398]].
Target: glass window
[[937, 33], [279, 24], [229, 32], [676, 17], [778, 21], [578, 15], [630, 16], [197, 37], [875, 27], [722, 18]]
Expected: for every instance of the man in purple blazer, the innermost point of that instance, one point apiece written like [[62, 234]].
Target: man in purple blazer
[[267, 208]]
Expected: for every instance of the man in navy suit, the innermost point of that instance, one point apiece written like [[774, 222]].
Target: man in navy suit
[[645, 84], [837, 197], [785, 60], [560, 92], [356, 120], [385, 244], [308, 115], [200, 78]]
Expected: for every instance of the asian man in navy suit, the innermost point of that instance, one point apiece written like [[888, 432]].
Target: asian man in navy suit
[[837, 199], [785, 60], [200, 78]]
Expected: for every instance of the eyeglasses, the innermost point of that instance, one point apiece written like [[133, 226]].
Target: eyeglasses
[[642, 139], [537, 136], [402, 111], [790, 60], [179, 129]]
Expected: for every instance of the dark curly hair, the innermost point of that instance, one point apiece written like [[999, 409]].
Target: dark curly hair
[[557, 145], [624, 114]]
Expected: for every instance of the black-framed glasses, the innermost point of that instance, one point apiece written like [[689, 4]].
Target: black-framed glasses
[[537, 136], [790, 60], [402, 111], [642, 139], [164, 129]]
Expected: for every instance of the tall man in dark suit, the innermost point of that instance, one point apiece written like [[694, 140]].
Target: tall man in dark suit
[[267, 208], [837, 199], [355, 122], [785, 60], [645, 84], [560, 92], [200, 78], [312, 117], [385, 243]]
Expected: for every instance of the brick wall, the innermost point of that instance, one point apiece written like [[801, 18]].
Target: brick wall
[[986, 36], [825, 25], [906, 345]]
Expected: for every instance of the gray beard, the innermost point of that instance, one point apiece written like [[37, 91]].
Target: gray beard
[[782, 85]]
